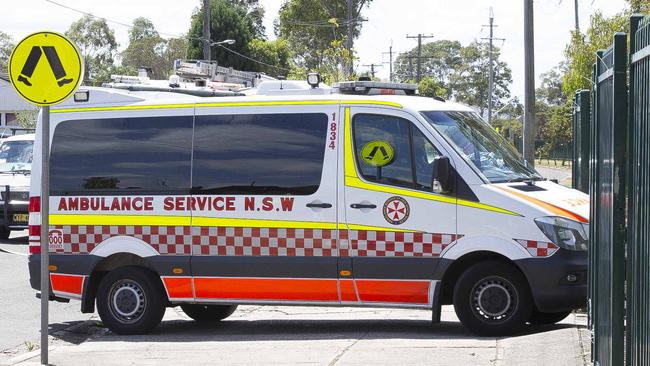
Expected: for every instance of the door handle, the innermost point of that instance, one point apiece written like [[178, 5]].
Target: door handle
[[319, 205], [362, 205]]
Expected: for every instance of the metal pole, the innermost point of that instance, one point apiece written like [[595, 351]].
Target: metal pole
[[419, 69], [350, 35], [206, 30], [410, 57], [529, 84], [576, 13], [45, 229], [491, 76], [390, 65]]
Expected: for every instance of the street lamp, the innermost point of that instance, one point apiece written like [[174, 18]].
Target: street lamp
[[225, 41]]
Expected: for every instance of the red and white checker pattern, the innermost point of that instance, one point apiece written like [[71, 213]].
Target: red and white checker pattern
[[538, 248], [366, 243], [236, 241], [82, 239]]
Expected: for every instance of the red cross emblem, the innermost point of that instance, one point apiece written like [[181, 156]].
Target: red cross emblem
[[396, 210]]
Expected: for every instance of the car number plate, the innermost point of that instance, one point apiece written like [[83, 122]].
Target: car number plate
[[21, 217]]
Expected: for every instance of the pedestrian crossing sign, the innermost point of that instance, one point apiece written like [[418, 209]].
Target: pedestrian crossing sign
[[45, 68]]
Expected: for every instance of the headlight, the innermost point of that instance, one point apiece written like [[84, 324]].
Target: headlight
[[565, 233]]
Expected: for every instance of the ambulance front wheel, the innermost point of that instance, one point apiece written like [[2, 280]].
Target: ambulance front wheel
[[492, 298], [131, 300], [208, 313]]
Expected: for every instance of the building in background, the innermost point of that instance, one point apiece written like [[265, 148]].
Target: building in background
[[10, 102]]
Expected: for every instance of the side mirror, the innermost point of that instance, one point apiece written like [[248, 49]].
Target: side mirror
[[442, 181]]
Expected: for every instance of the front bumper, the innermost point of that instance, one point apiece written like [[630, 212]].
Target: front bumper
[[549, 281]]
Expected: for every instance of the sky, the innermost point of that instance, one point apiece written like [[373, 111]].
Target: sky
[[388, 21]]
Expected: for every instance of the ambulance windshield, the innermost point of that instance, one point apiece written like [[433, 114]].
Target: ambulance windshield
[[481, 146], [16, 156]]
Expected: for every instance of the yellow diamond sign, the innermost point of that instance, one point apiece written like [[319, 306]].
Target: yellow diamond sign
[[45, 68]]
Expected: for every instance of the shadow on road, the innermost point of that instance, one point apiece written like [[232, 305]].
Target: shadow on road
[[273, 330], [19, 240]]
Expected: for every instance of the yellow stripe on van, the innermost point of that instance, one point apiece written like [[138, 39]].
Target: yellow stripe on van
[[228, 104], [281, 224], [129, 220]]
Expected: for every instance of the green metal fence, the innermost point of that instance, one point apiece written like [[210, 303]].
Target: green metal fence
[[638, 248], [581, 122], [607, 214]]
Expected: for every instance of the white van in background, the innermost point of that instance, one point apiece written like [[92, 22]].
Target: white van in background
[[15, 172]]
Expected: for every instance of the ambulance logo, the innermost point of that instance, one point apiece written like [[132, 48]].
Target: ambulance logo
[[55, 239], [396, 210]]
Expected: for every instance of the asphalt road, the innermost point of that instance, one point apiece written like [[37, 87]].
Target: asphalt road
[[19, 308]]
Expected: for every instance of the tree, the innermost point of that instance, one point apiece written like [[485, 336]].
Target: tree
[[27, 118], [557, 132], [580, 53], [440, 59], [470, 81], [274, 53], [550, 91], [146, 49], [6, 45], [429, 87], [310, 27], [96, 42], [228, 20]]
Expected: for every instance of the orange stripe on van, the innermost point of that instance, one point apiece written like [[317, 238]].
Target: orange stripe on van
[[178, 287], [347, 290], [266, 289], [413, 292], [547, 206], [72, 284]]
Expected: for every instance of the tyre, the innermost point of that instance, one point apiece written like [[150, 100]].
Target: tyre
[[539, 318], [131, 300], [492, 299], [208, 313], [4, 233]]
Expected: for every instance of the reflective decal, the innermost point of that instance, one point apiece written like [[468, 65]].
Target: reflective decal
[[396, 210], [377, 153]]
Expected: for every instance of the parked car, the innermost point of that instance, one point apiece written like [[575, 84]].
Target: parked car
[[15, 172]]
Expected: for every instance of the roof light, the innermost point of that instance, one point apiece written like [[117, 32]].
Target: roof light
[[82, 96], [313, 79]]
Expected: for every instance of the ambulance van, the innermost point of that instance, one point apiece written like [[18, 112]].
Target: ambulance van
[[301, 195]]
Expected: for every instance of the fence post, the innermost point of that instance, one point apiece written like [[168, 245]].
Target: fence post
[[580, 164]]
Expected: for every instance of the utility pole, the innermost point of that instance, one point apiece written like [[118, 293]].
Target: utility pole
[[529, 84], [372, 69], [419, 64], [576, 11], [350, 67], [410, 57], [206, 30], [491, 71], [390, 62]]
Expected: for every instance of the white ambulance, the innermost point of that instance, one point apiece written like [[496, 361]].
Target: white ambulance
[[301, 195]]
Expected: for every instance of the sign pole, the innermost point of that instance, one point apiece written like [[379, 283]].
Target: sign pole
[[45, 229]]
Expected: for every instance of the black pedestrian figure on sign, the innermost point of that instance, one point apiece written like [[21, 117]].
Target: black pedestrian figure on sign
[[52, 58]]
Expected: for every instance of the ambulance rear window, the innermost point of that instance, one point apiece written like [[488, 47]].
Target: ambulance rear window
[[121, 156], [259, 153]]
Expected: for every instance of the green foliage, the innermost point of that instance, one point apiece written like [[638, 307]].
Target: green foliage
[[429, 87], [229, 19], [557, 131], [6, 46], [146, 48], [580, 53], [27, 118], [550, 91], [271, 52], [96, 42], [440, 60], [104, 75], [470, 81], [311, 26]]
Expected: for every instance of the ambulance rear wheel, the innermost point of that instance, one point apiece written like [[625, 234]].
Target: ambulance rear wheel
[[131, 300], [208, 313], [492, 299]]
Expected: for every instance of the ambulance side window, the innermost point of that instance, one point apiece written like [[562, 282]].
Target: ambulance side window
[[403, 157], [259, 154], [122, 156]]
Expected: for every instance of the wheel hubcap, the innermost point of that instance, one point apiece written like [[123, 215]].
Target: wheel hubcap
[[494, 299], [127, 301]]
